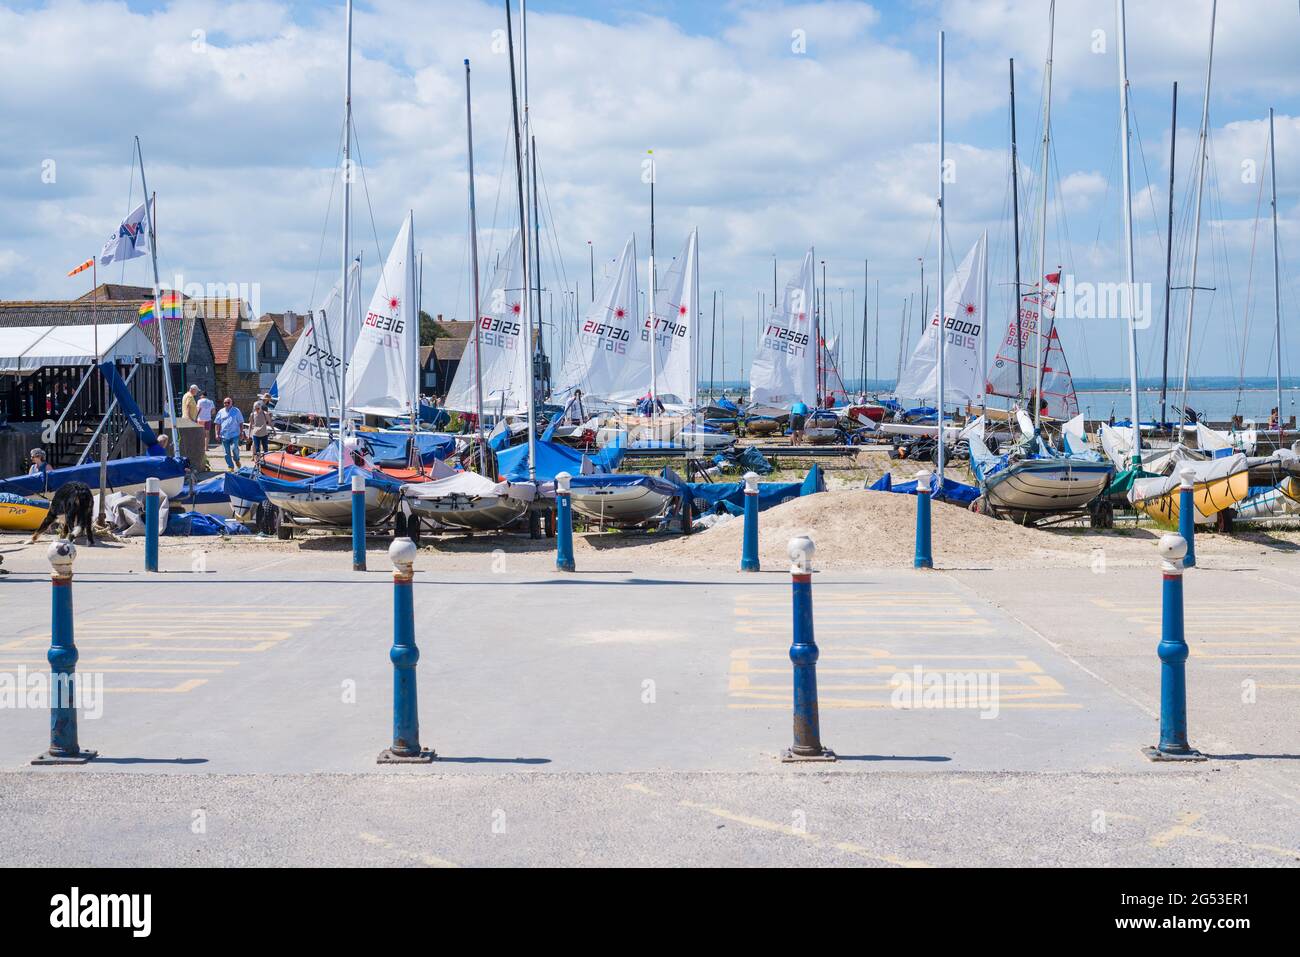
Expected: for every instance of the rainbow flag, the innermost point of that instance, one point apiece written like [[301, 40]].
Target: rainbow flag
[[171, 308]]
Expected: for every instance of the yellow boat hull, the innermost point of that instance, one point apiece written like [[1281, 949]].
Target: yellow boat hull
[[1209, 498], [21, 518]]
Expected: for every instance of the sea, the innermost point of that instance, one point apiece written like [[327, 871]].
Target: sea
[[1216, 399]]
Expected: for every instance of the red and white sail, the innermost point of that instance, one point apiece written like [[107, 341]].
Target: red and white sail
[[1007, 372]]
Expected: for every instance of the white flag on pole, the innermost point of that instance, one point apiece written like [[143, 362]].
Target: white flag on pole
[[130, 241]]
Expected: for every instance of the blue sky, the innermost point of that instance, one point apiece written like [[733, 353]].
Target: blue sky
[[766, 149]]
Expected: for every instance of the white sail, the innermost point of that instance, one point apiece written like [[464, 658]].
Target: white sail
[[676, 308], [964, 325], [501, 335], [380, 378], [608, 359], [311, 378], [785, 365]]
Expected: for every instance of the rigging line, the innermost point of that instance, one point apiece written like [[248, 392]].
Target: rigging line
[[1250, 278], [365, 188], [324, 228], [550, 220]]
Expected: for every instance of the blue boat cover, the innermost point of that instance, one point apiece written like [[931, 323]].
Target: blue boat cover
[[244, 485], [953, 491], [731, 495], [552, 459], [388, 449], [221, 488], [725, 403], [329, 482], [7, 498], [197, 523], [121, 472], [620, 480], [126, 401]]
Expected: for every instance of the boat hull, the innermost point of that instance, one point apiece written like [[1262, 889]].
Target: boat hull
[[333, 507], [1209, 498], [21, 517], [1046, 488], [478, 513], [621, 504]]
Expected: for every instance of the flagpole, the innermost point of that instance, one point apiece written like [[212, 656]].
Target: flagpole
[[168, 402], [941, 297]]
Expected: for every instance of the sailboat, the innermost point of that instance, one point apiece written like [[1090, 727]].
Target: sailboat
[[381, 379]]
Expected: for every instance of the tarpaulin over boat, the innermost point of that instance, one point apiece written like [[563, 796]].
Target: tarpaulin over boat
[[329, 482], [224, 487], [388, 449], [731, 495], [469, 484], [606, 480], [552, 459], [121, 472], [953, 491]]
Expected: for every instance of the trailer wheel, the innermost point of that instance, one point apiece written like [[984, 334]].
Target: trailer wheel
[[283, 527]]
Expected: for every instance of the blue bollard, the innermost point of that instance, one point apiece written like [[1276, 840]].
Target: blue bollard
[[359, 522], [152, 501], [749, 544], [924, 558], [62, 657], [564, 523], [1187, 515], [404, 655], [803, 654], [1172, 650]]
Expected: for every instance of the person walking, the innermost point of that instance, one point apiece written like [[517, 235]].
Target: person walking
[[229, 422], [259, 427], [190, 404], [206, 409]]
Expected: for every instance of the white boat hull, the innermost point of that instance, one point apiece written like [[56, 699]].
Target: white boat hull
[[1046, 490], [620, 505], [334, 508], [479, 513]]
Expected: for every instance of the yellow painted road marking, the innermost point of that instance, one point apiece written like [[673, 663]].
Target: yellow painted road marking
[[1184, 829], [791, 831], [429, 860]]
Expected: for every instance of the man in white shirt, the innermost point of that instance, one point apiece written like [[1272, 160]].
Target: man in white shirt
[[229, 425], [206, 409]]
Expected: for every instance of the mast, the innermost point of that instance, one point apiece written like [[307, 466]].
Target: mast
[[942, 332], [713, 345], [521, 184], [1201, 158], [1015, 213], [866, 292], [652, 320], [1131, 297], [347, 253], [821, 341], [1042, 221], [168, 402], [537, 262], [1277, 282], [875, 358], [473, 270], [1169, 259]]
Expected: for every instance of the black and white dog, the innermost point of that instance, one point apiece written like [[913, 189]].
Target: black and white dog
[[72, 507]]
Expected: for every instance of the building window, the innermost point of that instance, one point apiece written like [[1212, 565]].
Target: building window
[[245, 352]]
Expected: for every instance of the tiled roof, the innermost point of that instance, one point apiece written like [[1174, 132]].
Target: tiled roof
[[221, 332], [449, 348], [113, 292], [425, 352], [455, 329], [180, 333]]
